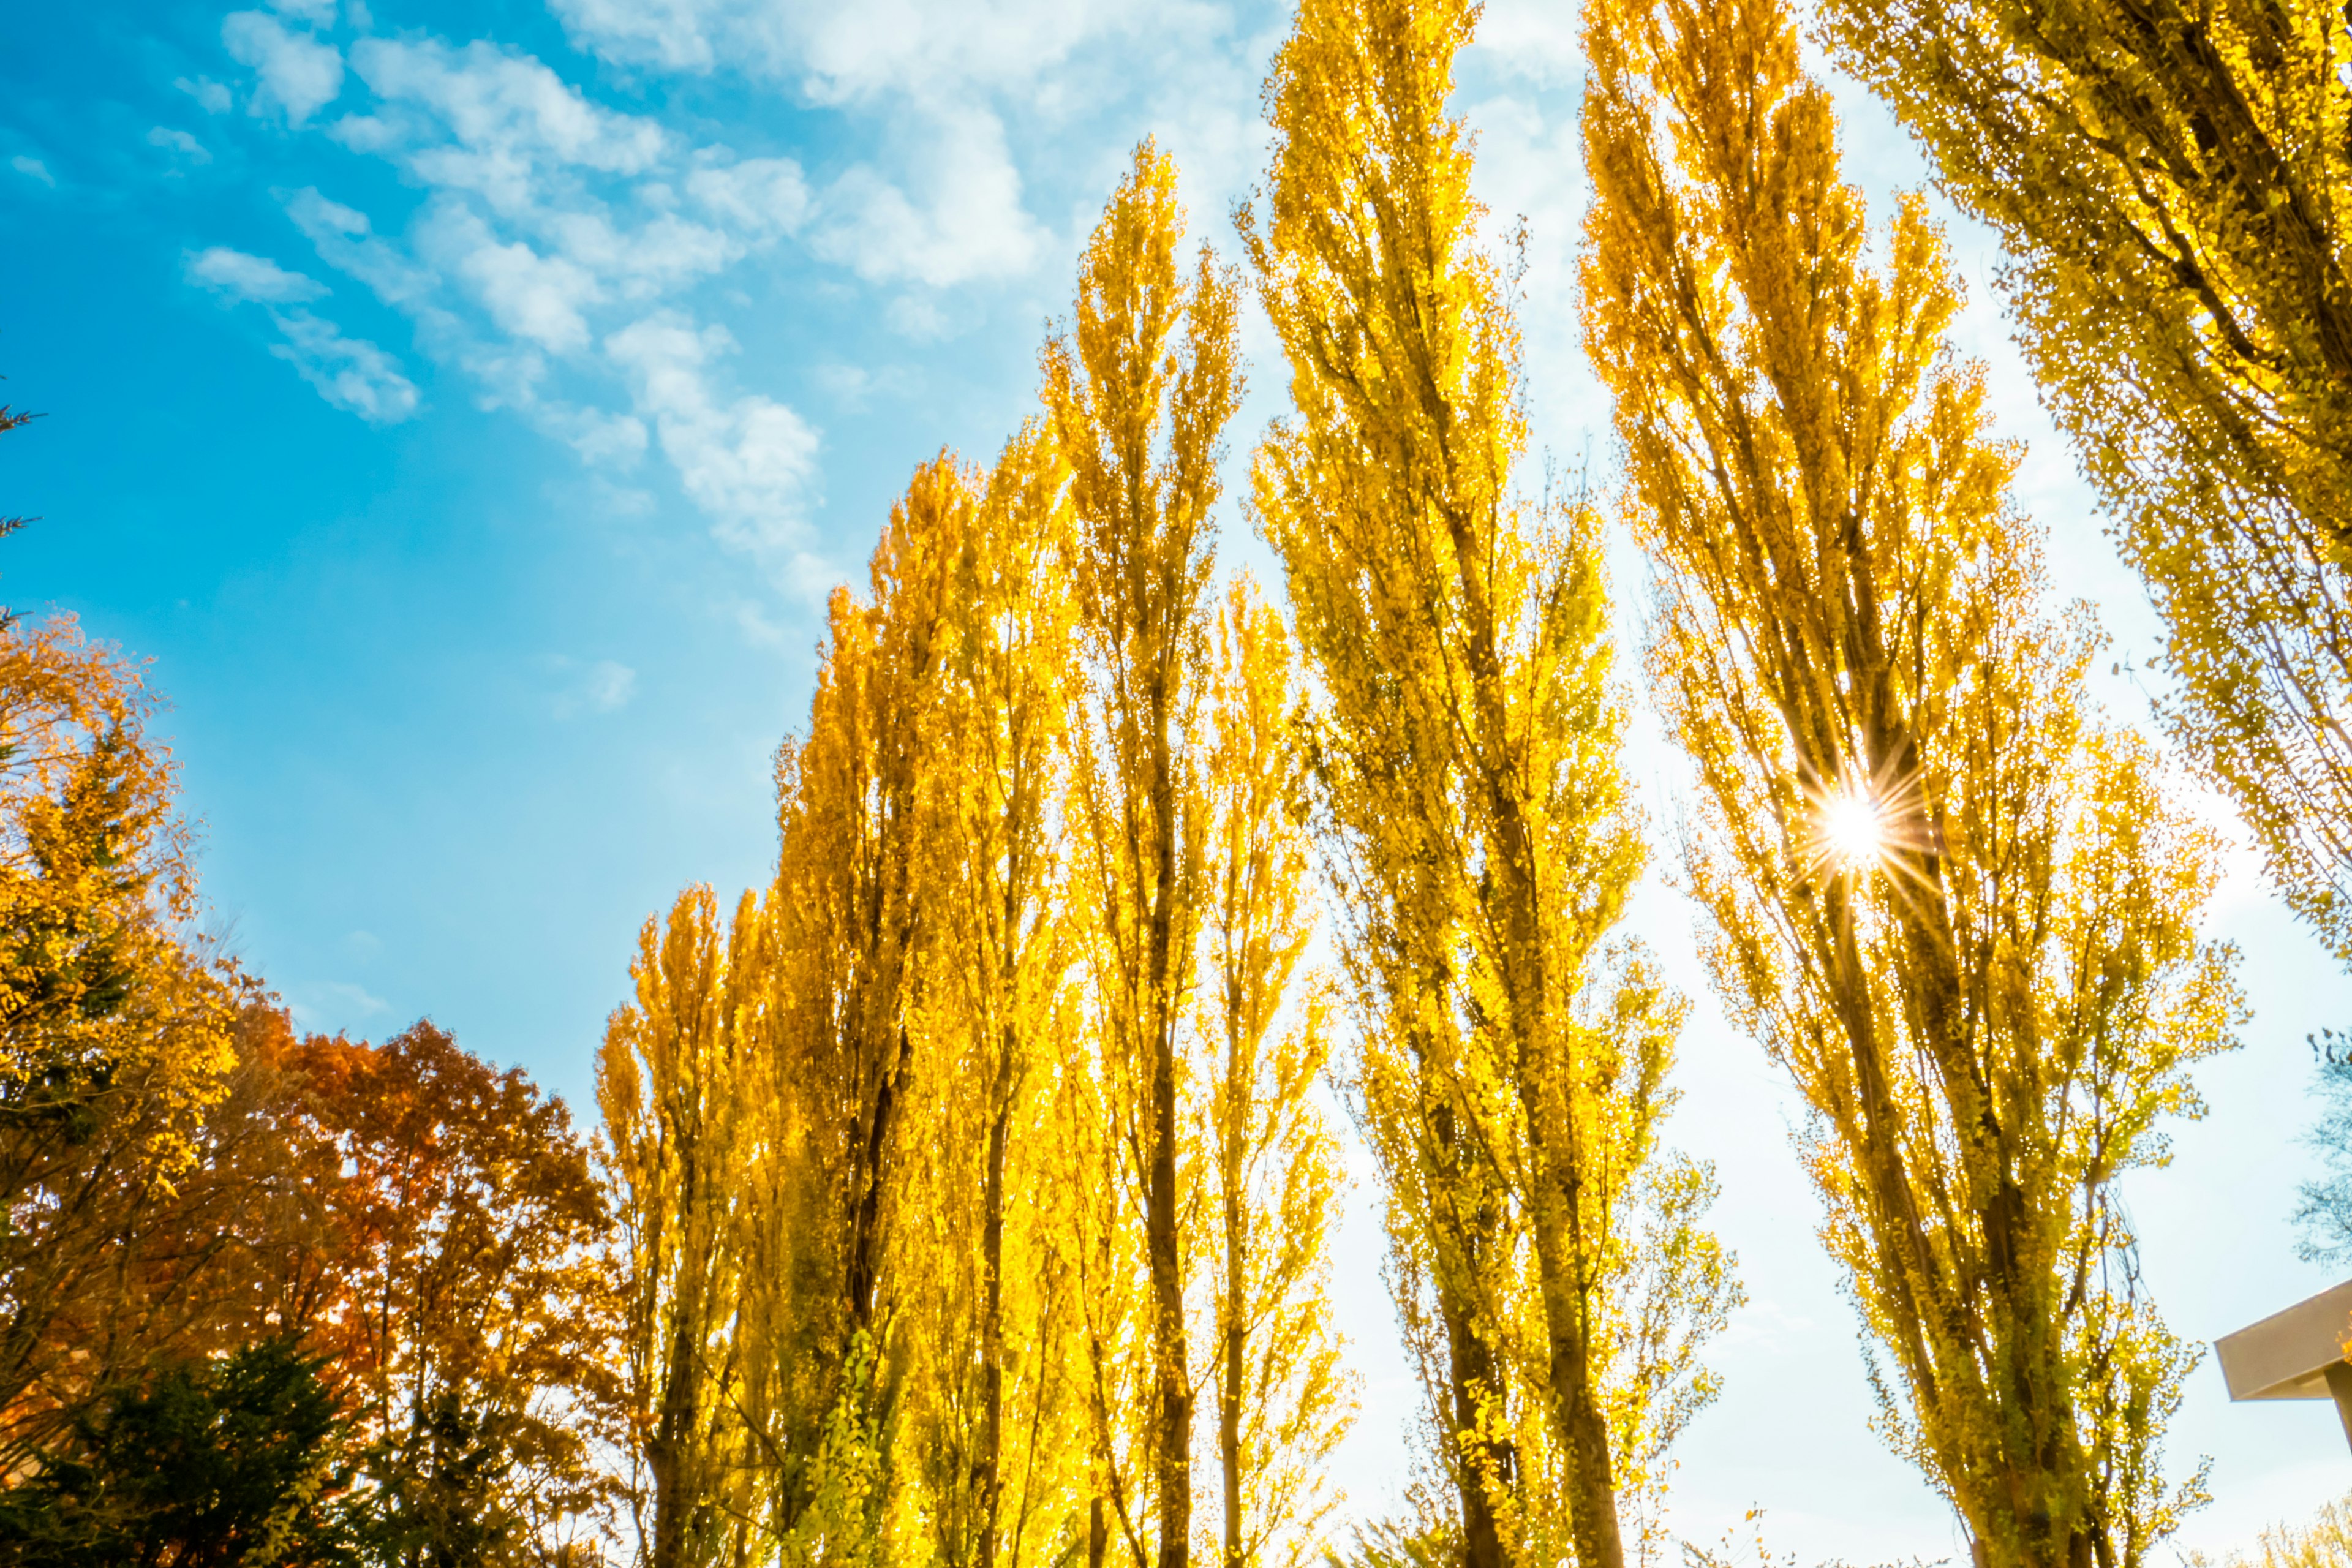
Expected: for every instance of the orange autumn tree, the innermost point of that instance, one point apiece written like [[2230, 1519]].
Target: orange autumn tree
[[116, 1022], [474, 1321]]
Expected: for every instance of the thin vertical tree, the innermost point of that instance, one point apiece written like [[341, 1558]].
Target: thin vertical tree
[[672, 1081], [857, 908], [1514, 1069], [1955, 904], [1139, 393], [989, 1353], [1283, 1400]]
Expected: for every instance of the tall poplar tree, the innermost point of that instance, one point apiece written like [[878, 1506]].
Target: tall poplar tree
[[858, 907], [673, 1081], [2173, 183], [1283, 1400], [1954, 903], [1512, 1074], [1139, 393], [990, 1350]]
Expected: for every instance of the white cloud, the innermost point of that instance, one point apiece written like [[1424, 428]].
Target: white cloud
[[32, 169], [297, 73], [539, 298], [676, 34], [1534, 40], [331, 1004], [350, 372], [210, 95], [916, 317], [316, 12], [346, 242], [662, 255], [179, 142], [969, 223], [602, 439], [545, 212], [507, 118], [256, 279], [849, 48], [758, 195], [749, 462], [604, 686]]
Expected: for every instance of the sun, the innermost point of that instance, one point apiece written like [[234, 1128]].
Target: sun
[[1852, 828]]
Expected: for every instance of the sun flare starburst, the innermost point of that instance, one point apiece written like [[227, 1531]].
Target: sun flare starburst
[[1853, 829], [1866, 821]]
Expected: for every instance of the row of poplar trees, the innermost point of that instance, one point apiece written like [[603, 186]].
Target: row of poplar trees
[[977, 1176]]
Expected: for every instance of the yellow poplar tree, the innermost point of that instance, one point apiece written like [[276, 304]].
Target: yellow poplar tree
[[672, 1081], [1957, 907], [856, 906], [1513, 1071], [997, 1394], [1138, 395], [2173, 185], [1283, 1401]]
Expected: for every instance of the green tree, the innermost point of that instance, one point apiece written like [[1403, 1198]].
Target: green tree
[[233, 1463]]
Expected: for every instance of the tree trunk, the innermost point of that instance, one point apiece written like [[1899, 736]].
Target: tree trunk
[[988, 1465], [1472, 1368], [1236, 1338]]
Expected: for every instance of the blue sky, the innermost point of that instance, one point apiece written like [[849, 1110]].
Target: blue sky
[[468, 406]]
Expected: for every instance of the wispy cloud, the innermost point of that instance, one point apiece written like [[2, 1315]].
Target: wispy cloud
[[748, 461], [179, 142], [296, 74], [559, 254], [334, 1005], [254, 278], [350, 372], [212, 97], [489, 121], [605, 685], [554, 242], [32, 169], [965, 220]]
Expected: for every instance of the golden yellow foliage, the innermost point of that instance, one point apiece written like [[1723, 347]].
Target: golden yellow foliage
[[1512, 1065], [1138, 395], [858, 903], [2173, 185], [985, 1336], [116, 1025], [1956, 905], [673, 1081], [2325, 1543], [1274, 1165]]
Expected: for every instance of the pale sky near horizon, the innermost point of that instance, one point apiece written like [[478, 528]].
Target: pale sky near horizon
[[467, 406]]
